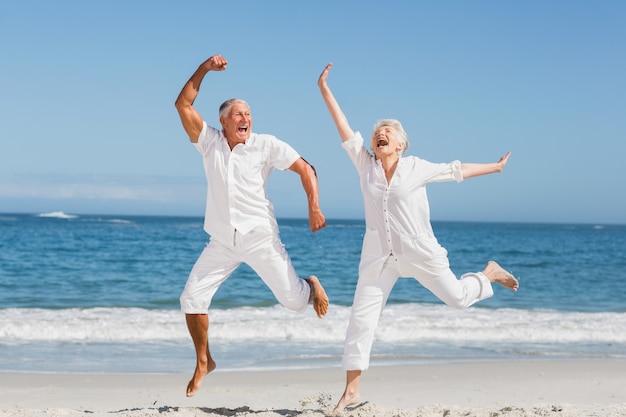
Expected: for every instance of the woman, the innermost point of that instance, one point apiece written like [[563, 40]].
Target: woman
[[399, 239]]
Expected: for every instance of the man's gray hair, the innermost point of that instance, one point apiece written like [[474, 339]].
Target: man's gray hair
[[397, 127], [226, 106]]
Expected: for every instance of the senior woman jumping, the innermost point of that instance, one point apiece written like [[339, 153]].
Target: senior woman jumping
[[399, 240]]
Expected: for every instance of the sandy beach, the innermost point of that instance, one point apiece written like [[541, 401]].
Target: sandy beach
[[490, 389]]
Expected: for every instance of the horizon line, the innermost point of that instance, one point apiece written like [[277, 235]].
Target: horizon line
[[61, 214]]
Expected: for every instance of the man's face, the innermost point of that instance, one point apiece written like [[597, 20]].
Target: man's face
[[237, 125]]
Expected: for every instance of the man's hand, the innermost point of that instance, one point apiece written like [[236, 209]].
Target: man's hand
[[317, 221], [216, 63]]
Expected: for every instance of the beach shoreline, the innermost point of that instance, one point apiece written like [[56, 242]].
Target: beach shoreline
[[499, 388]]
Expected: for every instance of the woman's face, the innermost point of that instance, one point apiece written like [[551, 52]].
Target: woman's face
[[385, 142]]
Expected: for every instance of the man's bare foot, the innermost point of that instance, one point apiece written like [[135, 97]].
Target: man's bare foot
[[347, 400], [495, 273], [194, 384], [318, 296]]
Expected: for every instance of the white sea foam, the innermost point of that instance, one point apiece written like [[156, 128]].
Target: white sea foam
[[58, 215], [403, 323], [139, 340], [121, 221]]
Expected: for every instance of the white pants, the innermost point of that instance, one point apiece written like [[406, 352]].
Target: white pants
[[263, 251], [374, 287]]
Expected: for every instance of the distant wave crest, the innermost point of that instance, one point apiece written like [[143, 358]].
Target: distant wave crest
[[57, 215]]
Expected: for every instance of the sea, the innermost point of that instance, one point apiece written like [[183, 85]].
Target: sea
[[99, 294]]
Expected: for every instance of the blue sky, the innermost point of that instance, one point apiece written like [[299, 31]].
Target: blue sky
[[88, 125]]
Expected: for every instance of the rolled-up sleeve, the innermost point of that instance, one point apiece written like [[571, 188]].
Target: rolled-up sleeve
[[457, 172], [359, 156], [437, 172]]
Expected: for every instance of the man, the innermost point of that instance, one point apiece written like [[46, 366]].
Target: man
[[239, 217]]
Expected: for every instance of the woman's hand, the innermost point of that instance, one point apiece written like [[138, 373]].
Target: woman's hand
[[322, 81], [502, 162]]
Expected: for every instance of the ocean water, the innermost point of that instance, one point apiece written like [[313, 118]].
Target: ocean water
[[100, 294]]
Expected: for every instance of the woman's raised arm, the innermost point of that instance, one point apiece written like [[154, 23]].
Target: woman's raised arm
[[343, 127]]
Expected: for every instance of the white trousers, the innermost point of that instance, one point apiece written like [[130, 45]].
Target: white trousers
[[263, 251], [375, 285]]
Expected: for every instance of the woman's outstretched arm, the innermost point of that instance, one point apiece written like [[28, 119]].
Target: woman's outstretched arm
[[474, 170], [343, 127]]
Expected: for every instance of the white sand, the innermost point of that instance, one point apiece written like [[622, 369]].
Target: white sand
[[490, 389]]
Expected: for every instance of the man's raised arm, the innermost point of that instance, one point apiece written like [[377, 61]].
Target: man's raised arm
[[189, 116]]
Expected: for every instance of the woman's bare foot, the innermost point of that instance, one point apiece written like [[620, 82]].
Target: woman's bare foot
[[351, 395], [194, 384], [347, 400], [495, 273], [318, 296]]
